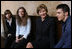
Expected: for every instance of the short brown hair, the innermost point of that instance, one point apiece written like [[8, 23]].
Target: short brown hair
[[42, 6], [64, 7]]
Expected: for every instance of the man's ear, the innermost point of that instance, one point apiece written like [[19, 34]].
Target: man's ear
[[66, 13]]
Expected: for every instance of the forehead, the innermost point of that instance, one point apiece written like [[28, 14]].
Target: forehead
[[21, 9], [42, 9], [59, 10], [7, 13]]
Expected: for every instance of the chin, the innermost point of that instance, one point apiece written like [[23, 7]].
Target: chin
[[59, 19], [43, 16]]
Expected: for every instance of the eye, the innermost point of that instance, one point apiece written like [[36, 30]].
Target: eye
[[58, 12], [39, 11]]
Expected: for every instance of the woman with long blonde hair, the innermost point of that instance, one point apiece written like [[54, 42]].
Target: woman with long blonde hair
[[23, 26]]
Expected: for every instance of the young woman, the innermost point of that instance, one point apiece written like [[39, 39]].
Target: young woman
[[45, 30], [11, 27], [23, 27]]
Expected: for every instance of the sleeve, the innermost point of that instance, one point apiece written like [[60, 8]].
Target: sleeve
[[52, 33], [28, 28], [60, 43], [17, 28], [65, 36]]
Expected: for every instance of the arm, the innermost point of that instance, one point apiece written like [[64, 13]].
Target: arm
[[28, 28], [17, 29], [65, 36], [59, 44], [52, 33]]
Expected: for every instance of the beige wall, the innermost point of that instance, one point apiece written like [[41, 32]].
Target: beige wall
[[31, 6]]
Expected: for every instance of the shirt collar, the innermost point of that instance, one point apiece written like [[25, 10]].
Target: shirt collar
[[66, 20], [9, 21], [45, 18]]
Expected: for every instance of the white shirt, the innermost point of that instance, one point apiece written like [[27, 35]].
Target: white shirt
[[9, 21], [23, 30]]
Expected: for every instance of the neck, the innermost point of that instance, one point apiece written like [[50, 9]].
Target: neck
[[65, 18], [43, 19], [9, 19]]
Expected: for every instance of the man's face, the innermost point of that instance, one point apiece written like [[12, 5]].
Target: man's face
[[60, 14]]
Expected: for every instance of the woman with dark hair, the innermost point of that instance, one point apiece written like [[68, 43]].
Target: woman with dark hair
[[23, 27], [11, 28], [45, 30]]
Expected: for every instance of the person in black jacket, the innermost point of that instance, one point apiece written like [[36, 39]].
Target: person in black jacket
[[45, 30], [11, 27]]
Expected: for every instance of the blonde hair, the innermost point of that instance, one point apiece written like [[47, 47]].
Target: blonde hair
[[25, 17], [42, 6]]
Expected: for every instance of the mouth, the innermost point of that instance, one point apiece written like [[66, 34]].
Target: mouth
[[44, 15]]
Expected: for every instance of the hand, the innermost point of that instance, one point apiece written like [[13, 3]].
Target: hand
[[17, 40], [21, 38], [9, 35], [29, 45]]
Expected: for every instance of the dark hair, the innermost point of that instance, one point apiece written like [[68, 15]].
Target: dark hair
[[7, 12], [41, 7], [25, 17], [64, 7]]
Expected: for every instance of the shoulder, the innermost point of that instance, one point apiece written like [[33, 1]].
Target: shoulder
[[38, 19], [13, 16], [28, 19], [51, 20], [13, 19], [68, 24]]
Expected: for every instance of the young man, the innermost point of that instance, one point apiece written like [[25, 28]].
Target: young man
[[63, 14]]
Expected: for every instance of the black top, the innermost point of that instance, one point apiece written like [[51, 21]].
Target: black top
[[45, 33], [12, 28]]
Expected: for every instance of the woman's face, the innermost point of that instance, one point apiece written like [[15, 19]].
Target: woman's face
[[8, 15], [21, 13], [42, 13]]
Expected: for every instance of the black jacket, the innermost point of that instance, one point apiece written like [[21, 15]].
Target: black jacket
[[45, 33], [12, 28]]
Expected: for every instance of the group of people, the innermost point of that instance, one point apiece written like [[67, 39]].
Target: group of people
[[19, 28]]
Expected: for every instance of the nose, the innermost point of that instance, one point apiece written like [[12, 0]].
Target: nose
[[56, 15], [7, 15]]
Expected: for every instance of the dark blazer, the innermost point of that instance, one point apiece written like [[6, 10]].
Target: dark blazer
[[45, 33], [65, 40], [12, 28]]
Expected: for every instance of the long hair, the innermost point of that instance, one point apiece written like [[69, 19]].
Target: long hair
[[7, 12], [25, 17]]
